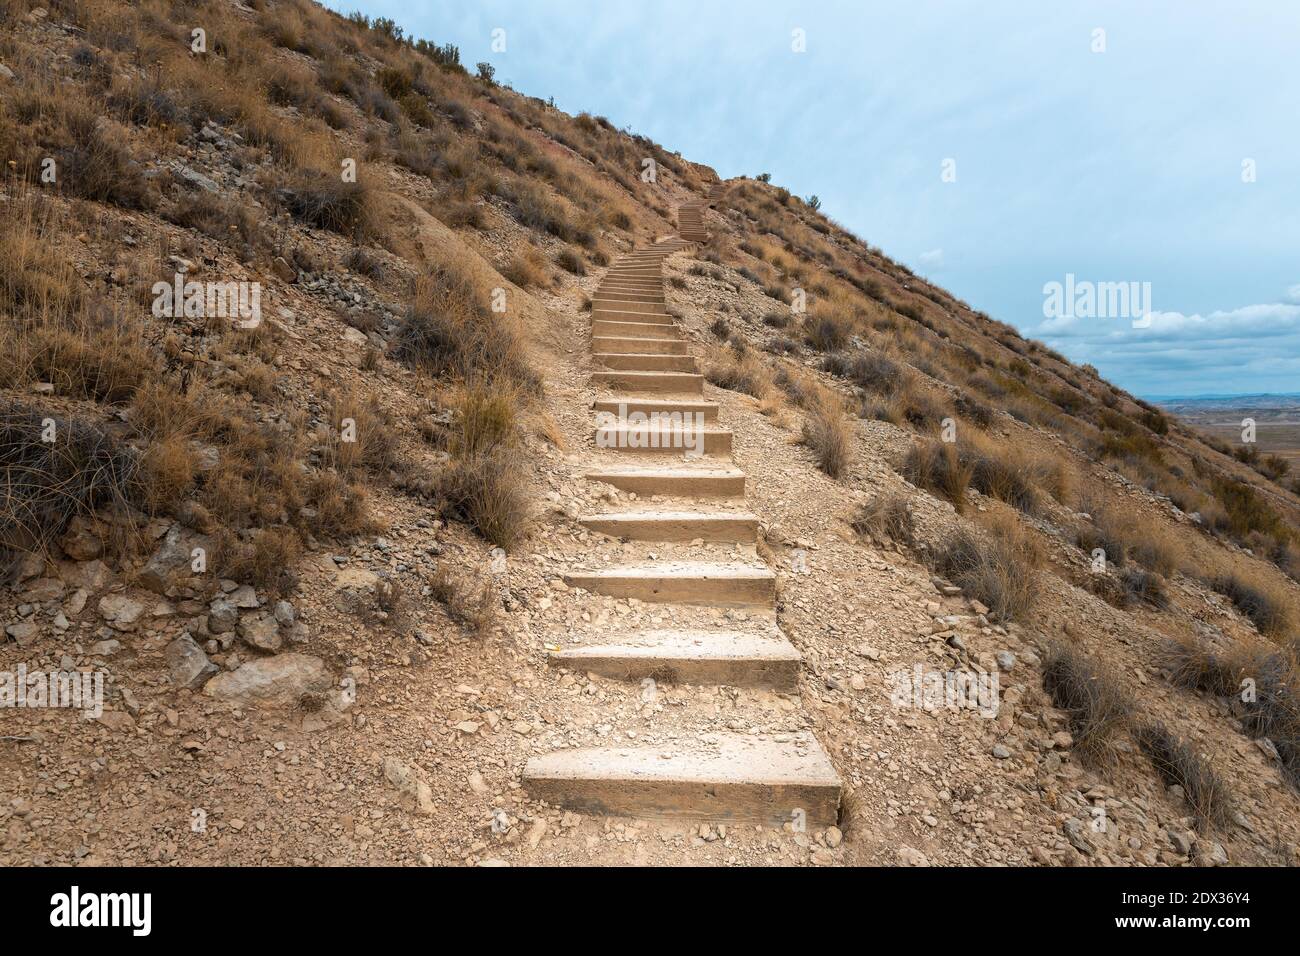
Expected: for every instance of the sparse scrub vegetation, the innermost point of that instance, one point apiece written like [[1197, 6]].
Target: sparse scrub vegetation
[[998, 568], [886, 517], [1178, 764], [740, 370], [1098, 707]]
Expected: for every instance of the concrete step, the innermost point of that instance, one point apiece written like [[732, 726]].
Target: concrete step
[[620, 313], [649, 295], [653, 285], [665, 346], [736, 658], [727, 526], [730, 778], [629, 300], [646, 362], [682, 482], [623, 407], [656, 439], [683, 582], [680, 383], [605, 328]]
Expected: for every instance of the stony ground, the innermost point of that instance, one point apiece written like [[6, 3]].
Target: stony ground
[[410, 746], [423, 766]]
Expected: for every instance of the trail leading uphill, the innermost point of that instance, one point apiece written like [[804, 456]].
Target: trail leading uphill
[[654, 396]]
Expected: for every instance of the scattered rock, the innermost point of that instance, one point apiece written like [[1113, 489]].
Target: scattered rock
[[120, 611], [24, 632], [189, 666], [280, 681], [260, 631], [409, 784]]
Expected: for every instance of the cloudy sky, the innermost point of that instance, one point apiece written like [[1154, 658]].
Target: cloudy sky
[[1113, 141]]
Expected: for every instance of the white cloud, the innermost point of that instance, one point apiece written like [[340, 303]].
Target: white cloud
[[1246, 323], [932, 259]]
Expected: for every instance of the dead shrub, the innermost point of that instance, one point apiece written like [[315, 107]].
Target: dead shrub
[[448, 329], [740, 370], [43, 484], [1262, 680], [1263, 605], [937, 467], [1178, 764], [471, 605], [483, 485], [362, 436], [1095, 702], [526, 269], [262, 557], [325, 201], [886, 518], [826, 433], [998, 569]]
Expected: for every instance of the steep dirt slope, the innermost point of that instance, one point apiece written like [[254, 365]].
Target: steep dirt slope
[[386, 479]]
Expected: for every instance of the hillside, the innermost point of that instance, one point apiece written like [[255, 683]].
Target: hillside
[[326, 525]]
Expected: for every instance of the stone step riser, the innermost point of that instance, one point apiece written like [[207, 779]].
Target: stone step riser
[[721, 527], [758, 590], [635, 330], [646, 363], [609, 303], [614, 663], [675, 486], [750, 782], [661, 441], [673, 382], [647, 406], [611, 344], [615, 314]]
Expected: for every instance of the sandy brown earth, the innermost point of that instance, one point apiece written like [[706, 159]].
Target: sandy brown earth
[[464, 713]]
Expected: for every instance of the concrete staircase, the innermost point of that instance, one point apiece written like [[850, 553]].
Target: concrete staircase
[[652, 406]]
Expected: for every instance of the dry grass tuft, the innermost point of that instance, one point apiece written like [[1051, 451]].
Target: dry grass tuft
[[1178, 764], [44, 484], [826, 431], [740, 370], [886, 518], [483, 485], [450, 329], [473, 605], [937, 467], [1097, 704], [998, 569]]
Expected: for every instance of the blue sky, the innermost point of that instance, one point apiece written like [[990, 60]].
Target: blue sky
[[1117, 166]]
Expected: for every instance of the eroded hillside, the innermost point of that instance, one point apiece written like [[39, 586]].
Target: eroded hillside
[[314, 538]]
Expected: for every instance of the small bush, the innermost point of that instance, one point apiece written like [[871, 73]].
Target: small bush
[[886, 518], [826, 433], [483, 485], [740, 371], [999, 570], [1178, 764], [526, 269], [43, 484], [936, 467], [1265, 608], [1271, 709], [1096, 703], [870, 370], [570, 261], [472, 606], [825, 333], [325, 201], [448, 329]]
